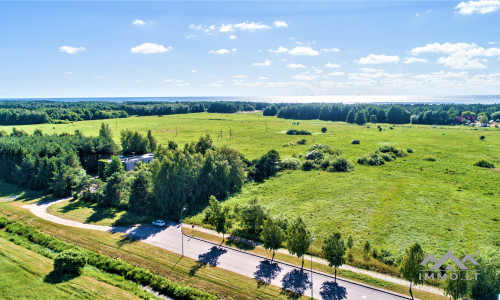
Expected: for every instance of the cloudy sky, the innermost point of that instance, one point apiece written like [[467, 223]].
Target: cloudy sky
[[223, 48]]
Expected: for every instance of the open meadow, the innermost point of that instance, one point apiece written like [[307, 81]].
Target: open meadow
[[435, 195]]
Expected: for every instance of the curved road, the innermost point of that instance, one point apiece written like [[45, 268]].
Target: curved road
[[277, 273]]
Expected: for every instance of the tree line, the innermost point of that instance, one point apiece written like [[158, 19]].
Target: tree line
[[438, 114]]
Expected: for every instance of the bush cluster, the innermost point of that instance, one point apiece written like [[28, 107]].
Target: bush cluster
[[381, 155], [429, 158], [70, 261], [314, 155], [290, 163], [308, 165], [484, 164], [297, 132], [371, 160], [302, 142], [111, 265], [338, 164]]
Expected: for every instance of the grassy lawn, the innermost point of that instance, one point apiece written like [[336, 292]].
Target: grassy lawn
[[27, 275], [446, 204], [224, 284]]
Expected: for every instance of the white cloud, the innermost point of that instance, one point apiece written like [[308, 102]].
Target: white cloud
[[336, 74], [138, 22], [370, 70], [239, 76], [460, 55], [295, 66], [251, 26], [330, 50], [378, 59], [148, 48], [411, 60], [280, 49], [303, 51], [329, 65], [304, 77], [168, 80], [480, 7], [220, 51], [226, 28], [266, 63], [68, 73], [71, 50], [264, 78], [232, 37], [193, 71], [280, 24]]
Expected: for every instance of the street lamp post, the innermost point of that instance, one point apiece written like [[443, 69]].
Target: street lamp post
[[182, 235], [312, 240]]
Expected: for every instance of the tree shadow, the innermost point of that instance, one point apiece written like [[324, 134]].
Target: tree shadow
[[210, 258], [330, 290], [266, 272], [138, 233], [55, 277], [295, 283], [101, 213], [76, 204]]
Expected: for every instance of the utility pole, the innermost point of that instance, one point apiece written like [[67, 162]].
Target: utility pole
[[182, 234]]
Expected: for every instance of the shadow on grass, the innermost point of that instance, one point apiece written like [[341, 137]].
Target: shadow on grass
[[330, 290], [266, 272], [210, 258], [56, 277], [295, 283]]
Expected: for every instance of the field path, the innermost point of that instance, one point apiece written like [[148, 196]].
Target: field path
[[277, 273]]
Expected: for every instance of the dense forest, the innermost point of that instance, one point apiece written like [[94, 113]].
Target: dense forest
[[38, 112]]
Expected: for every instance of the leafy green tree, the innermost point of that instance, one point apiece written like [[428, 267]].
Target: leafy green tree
[[397, 115], [252, 217], [70, 261], [152, 144], [483, 119], [361, 118], [133, 142], [487, 285], [267, 165], [410, 265], [117, 190], [218, 216], [334, 250], [38, 132], [114, 166], [272, 235], [373, 119], [366, 249], [496, 116], [141, 191], [66, 179], [458, 287], [105, 132], [203, 144], [298, 238], [351, 116], [350, 242]]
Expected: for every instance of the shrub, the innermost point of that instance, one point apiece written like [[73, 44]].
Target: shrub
[[314, 155], [308, 165], [409, 150], [323, 129], [429, 158], [387, 157], [355, 142], [391, 149], [371, 160], [340, 164], [290, 163], [318, 147], [70, 261], [302, 142], [484, 164], [297, 132], [4, 222], [482, 138]]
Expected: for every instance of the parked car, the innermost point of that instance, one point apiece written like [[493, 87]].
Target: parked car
[[159, 223]]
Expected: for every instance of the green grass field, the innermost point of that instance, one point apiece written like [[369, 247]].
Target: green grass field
[[445, 205], [25, 274]]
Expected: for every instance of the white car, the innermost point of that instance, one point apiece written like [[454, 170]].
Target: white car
[[159, 223]]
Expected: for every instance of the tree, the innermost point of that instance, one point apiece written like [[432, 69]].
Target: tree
[[117, 190], [366, 249], [334, 250], [114, 166], [141, 193], [252, 217], [152, 144], [351, 116], [218, 216], [70, 261], [272, 235], [360, 118], [487, 285], [496, 116], [266, 166], [373, 119], [350, 242], [65, 180], [397, 115], [270, 111], [458, 287], [410, 266], [105, 132], [298, 238], [323, 129], [483, 119]]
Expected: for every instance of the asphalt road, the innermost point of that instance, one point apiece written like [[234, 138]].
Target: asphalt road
[[261, 269]]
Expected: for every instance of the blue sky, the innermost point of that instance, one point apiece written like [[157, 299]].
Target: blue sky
[[224, 48]]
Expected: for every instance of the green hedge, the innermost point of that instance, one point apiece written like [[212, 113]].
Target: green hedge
[[111, 265]]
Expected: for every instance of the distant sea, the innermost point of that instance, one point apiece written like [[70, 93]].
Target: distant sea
[[376, 99]]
